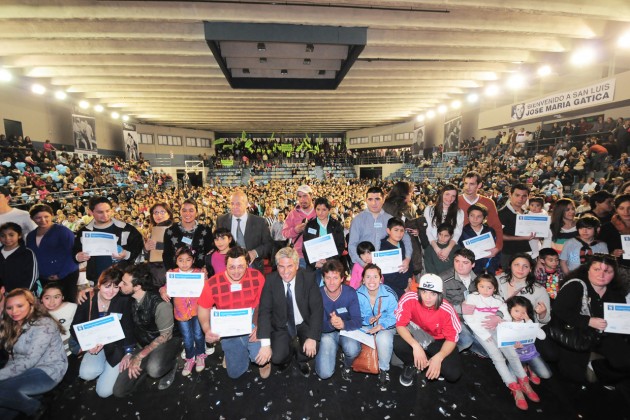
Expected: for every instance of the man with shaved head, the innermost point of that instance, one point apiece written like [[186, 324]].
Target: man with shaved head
[[249, 231]]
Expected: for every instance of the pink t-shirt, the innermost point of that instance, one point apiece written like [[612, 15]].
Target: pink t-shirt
[[218, 262]]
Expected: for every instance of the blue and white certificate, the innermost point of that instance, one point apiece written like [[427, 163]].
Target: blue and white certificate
[[184, 284], [625, 245], [526, 224], [510, 333], [388, 261], [617, 316], [99, 243], [480, 245], [320, 248], [231, 322], [99, 332]]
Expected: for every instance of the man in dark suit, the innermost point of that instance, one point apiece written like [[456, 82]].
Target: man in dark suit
[[249, 231], [290, 311]]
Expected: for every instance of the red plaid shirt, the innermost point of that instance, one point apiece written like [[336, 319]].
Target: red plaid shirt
[[218, 291]]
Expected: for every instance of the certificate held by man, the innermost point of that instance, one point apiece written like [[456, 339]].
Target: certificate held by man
[[388, 261], [99, 243], [231, 322], [617, 316], [480, 245], [320, 248], [184, 284], [99, 332], [538, 224]]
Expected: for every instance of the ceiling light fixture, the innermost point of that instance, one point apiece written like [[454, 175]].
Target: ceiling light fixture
[[5, 75], [261, 46], [442, 109], [583, 57], [624, 40], [516, 81], [61, 95], [472, 98], [115, 115], [125, 117], [84, 104], [99, 108], [492, 90], [38, 89], [544, 71], [430, 113], [420, 118], [456, 104]]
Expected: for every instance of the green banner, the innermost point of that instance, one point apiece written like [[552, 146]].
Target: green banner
[[227, 162], [286, 147], [219, 141]]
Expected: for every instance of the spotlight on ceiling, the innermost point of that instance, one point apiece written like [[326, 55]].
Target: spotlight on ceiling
[[442, 109], [310, 48], [456, 104], [624, 40], [516, 81], [284, 71], [125, 117], [492, 90], [38, 89], [430, 113], [115, 115], [420, 118], [99, 108], [544, 70], [5, 75], [61, 95], [583, 57], [84, 104], [261, 46], [472, 98]]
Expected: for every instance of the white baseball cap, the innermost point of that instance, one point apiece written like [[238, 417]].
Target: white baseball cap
[[431, 282]]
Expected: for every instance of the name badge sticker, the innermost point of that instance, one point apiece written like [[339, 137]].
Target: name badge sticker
[[342, 310], [236, 288], [312, 231], [187, 240]]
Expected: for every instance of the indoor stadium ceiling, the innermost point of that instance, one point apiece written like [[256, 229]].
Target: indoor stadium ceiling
[[150, 60]]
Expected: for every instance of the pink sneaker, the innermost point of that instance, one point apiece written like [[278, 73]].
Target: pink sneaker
[[188, 366], [200, 362]]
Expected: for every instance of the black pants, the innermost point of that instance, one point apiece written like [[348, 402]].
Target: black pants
[[451, 366], [283, 346], [157, 364]]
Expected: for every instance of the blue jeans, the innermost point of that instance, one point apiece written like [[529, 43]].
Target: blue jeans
[[466, 337], [540, 368], [239, 351], [16, 392], [193, 337], [327, 356], [385, 347], [96, 366]]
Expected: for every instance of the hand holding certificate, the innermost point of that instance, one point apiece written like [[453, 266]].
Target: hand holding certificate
[[625, 245], [184, 284], [99, 243], [538, 224], [480, 245], [231, 322], [99, 332], [388, 261], [320, 248]]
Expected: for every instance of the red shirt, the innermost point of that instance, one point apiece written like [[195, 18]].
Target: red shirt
[[219, 292], [441, 323], [493, 216]]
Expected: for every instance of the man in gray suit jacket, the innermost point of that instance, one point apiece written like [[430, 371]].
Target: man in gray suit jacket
[[249, 231], [290, 312]]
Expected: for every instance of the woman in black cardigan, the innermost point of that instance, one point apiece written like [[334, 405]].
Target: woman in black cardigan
[[316, 228], [103, 362]]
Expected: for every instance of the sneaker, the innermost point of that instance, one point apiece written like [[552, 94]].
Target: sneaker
[[183, 354], [346, 374], [200, 362], [383, 380], [407, 375], [209, 349], [167, 380], [188, 366]]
